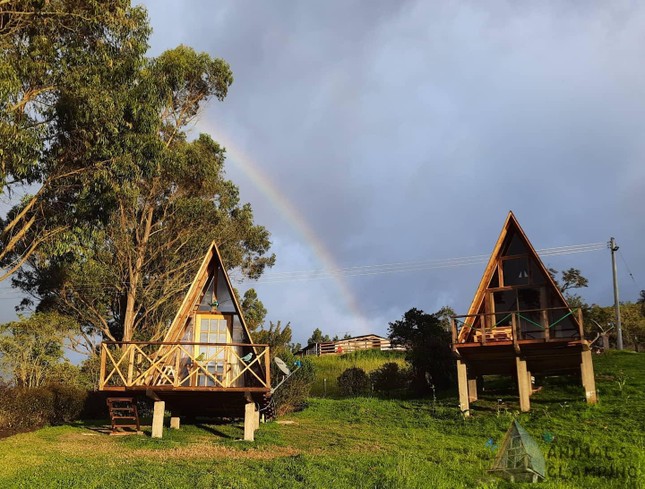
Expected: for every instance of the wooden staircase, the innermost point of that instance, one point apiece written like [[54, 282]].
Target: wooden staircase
[[123, 414]]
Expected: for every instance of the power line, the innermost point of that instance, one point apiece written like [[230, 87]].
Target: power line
[[399, 267]]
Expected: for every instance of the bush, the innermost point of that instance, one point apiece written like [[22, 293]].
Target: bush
[[293, 394], [23, 408], [354, 382], [389, 377], [68, 403]]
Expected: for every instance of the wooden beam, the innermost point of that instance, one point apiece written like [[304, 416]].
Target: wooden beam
[[249, 421], [157, 419], [472, 389], [588, 380], [462, 380], [523, 384], [103, 366]]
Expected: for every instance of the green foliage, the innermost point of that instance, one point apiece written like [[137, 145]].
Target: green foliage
[[31, 348], [329, 367], [354, 382], [317, 337], [429, 350], [277, 337], [293, 394], [389, 377], [254, 310], [28, 408], [127, 204]]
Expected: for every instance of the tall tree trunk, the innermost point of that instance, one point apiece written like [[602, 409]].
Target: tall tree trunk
[[134, 275]]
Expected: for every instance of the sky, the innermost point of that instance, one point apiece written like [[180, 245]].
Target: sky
[[369, 133], [378, 132]]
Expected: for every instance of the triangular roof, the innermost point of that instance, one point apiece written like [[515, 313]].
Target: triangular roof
[[511, 235], [211, 264], [519, 452]]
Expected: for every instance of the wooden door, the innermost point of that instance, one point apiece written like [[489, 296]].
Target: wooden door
[[212, 328]]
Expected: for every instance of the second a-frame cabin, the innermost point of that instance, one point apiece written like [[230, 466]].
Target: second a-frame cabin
[[206, 364], [519, 324]]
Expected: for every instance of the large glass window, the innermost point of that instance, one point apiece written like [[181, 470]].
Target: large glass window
[[516, 271]]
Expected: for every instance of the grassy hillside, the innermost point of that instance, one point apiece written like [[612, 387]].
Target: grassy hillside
[[363, 443], [329, 367]]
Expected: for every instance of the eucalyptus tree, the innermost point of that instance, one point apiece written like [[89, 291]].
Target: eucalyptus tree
[[134, 203]]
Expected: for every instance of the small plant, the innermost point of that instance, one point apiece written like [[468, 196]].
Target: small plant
[[354, 382], [621, 380]]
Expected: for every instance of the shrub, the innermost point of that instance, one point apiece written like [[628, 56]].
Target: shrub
[[354, 382], [293, 394], [24, 408], [68, 403], [389, 377]]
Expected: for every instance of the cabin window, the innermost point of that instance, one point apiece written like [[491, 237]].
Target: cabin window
[[516, 246], [212, 358], [208, 299], [516, 271], [223, 295]]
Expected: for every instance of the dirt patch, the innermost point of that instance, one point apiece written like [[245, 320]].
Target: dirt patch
[[202, 447], [6, 433], [208, 451]]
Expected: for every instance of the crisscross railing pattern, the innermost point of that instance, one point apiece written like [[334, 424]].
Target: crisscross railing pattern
[[534, 324], [183, 365]]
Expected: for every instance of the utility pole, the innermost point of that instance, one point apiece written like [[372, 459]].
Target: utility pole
[[619, 330]]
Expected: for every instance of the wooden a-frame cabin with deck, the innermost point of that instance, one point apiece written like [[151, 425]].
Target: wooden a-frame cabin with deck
[[519, 324], [206, 365]]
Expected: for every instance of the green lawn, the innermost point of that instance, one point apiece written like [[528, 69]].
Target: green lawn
[[364, 442]]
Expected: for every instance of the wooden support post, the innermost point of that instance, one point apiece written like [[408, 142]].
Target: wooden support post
[[103, 366], [174, 422], [130, 364], [462, 380], [157, 419], [267, 368], [581, 331], [588, 381], [482, 325], [472, 389], [545, 325], [249, 421], [523, 384], [529, 376], [256, 417]]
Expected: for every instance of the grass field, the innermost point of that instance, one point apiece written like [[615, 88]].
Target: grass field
[[329, 368], [363, 442]]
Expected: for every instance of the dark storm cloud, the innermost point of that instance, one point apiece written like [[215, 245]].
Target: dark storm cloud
[[407, 130]]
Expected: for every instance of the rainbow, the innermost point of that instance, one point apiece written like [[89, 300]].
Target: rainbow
[[263, 182]]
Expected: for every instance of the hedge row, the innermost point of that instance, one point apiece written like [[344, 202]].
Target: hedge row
[[22, 408]]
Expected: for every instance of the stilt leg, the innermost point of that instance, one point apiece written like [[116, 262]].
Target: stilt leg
[[174, 422], [462, 380], [157, 419], [588, 381], [523, 384], [249, 421], [472, 389]]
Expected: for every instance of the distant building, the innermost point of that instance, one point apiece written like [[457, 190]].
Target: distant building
[[348, 345]]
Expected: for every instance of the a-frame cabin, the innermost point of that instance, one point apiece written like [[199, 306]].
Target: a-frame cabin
[[519, 324], [207, 363]]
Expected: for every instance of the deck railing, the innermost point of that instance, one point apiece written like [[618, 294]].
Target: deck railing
[[138, 365], [553, 324]]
